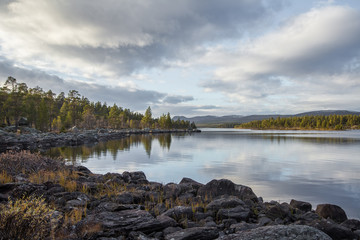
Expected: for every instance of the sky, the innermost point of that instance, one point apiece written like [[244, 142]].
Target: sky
[[186, 57]]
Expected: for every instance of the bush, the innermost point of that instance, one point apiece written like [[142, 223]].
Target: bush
[[25, 162], [27, 218]]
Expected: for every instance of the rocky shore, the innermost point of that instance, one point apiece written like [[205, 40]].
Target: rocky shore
[[128, 206], [30, 139]]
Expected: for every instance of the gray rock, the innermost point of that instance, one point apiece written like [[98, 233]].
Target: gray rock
[[124, 198], [303, 206], [217, 188], [275, 210], [179, 212], [166, 221], [199, 233], [123, 222], [290, 232], [239, 213], [352, 224], [224, 202], [334, 230], [331, 211]]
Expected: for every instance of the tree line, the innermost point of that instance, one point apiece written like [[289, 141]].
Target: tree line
[[47, 111], [332, 122]]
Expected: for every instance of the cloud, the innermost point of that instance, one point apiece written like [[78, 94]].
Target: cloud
[[178, 99], [135, 99], [314, 56], [113, 38]]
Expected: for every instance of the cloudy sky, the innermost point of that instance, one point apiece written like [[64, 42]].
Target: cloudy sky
[[186, 57]]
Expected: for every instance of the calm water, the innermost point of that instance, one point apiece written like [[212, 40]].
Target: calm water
[[318, 167]]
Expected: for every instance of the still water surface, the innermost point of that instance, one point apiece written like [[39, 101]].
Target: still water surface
[[313, 166]]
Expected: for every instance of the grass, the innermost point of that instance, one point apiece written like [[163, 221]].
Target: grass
[[27, 218], [5, 178]]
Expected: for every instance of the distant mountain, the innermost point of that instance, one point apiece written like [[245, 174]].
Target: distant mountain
[[237, 119]]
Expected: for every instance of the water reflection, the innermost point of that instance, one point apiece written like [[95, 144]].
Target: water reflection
[[319, 167], [113, 147]]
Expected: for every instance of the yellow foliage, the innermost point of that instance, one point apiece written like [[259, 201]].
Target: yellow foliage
[[27, 218]]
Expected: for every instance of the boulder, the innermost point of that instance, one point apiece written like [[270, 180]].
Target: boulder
[[123, 222], [179, 212], [331, 211], [303, 206], [199, 233], [334, 230], [224, 202], [289, 232], [274, 210], [352, 224], [135, 177], [220, 187], [239, 213]]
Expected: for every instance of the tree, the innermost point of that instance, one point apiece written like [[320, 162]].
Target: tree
[[15, 101], [146, 121]]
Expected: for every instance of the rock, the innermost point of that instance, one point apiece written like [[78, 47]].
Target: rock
[[352, 224], [331, 211], [199, 233], [289, 232], [224, 202], [179, 212], [334, 230], [114, 207], [303, 206], [170, 230], [135, 177], [123, 222], [239, 213], [124, 198], [217, 188], [171, 191], [237, 227], [274, 210], [166, 221]]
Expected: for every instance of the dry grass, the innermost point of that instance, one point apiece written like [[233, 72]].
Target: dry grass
[[27, 218], [25, 162], [5, 178]]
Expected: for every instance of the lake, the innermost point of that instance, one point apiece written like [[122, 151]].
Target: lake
[[313, 166]]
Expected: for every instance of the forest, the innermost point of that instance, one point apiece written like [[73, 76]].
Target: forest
[[332, 122], [47, 111]]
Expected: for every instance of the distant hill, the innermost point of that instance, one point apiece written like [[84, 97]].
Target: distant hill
[[229, 120]]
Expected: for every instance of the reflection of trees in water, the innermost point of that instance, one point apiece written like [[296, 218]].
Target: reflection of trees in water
[[165, 140], [317, 140], [84, 152]]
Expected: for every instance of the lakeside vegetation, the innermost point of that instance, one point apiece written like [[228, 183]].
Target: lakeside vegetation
[[332, 122], [47, 111]]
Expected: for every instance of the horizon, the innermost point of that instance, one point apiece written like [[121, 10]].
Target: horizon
[[189, 58]]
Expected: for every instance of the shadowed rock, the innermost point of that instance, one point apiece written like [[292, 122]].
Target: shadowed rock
[[331, 211], [292, 232], [199, 233], [217, 188], [303, 206]]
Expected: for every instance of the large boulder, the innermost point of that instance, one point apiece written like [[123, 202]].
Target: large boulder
[[199, 233], [289, 232], [334, 230], [331, 211], [303, 206], [123, 222], [220, 187], [224, 202]]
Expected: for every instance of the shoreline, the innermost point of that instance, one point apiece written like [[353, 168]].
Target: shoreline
[[33, 139], [130, 206]]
